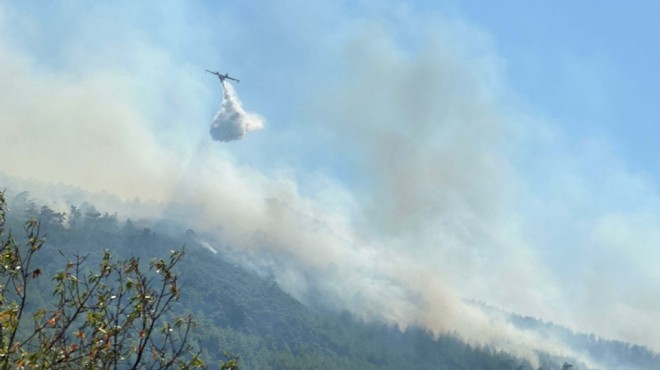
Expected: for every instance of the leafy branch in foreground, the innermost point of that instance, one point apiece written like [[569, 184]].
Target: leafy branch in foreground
[[118, 316]]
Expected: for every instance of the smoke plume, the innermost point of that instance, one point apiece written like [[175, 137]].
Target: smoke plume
[[421, 186], [232, 121]]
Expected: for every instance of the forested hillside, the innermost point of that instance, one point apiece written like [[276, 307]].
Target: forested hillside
[[617, 354], [241, 313]]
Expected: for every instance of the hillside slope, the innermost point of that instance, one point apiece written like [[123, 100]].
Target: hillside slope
[[243, 313]]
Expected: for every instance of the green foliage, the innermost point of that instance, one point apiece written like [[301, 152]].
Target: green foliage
[[116, 316]]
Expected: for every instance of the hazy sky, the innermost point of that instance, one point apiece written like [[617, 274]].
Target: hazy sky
[[413, 151]]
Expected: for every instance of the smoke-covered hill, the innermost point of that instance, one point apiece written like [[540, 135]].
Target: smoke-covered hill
[[246, 313], [613, 354]]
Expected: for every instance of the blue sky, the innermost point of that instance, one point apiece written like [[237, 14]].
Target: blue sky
[[589, 65], [415, 153]]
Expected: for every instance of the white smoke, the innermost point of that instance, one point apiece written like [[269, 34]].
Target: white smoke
[[232, 121], [429, 140]]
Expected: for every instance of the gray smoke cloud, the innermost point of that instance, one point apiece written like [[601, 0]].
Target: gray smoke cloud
[[232, 122], [427, 135]]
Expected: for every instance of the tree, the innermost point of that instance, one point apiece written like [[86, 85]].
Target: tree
[[117, 316]]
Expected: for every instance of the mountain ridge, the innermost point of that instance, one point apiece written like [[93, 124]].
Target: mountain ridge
[[249, 314]]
